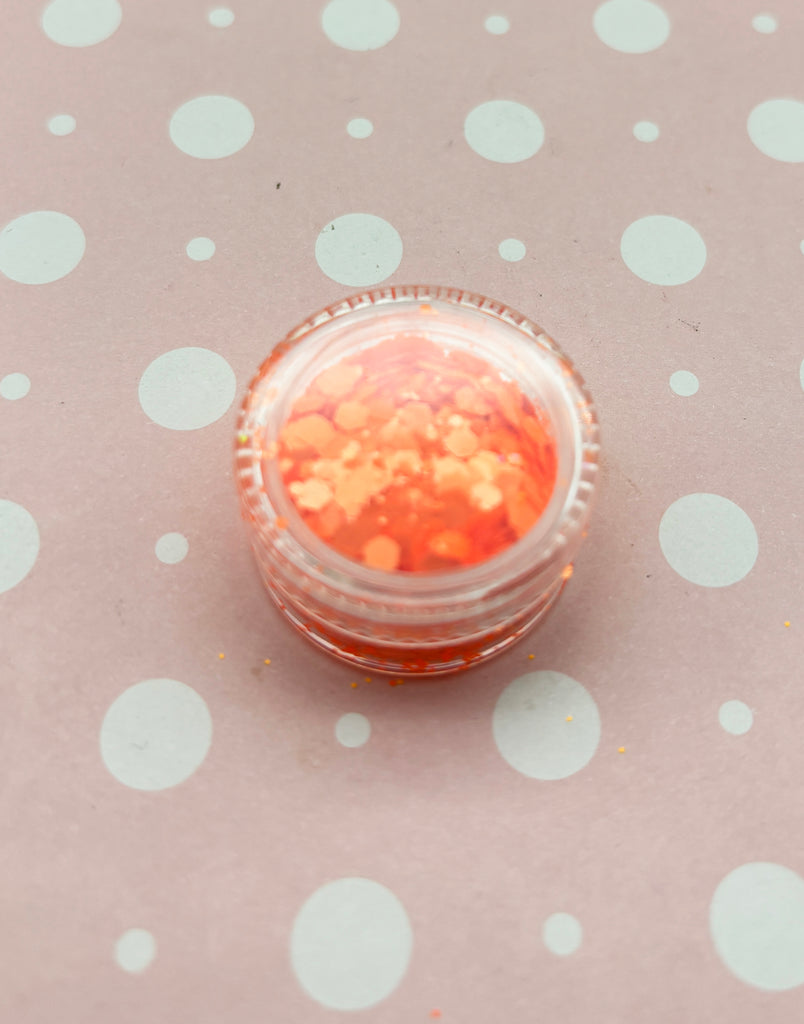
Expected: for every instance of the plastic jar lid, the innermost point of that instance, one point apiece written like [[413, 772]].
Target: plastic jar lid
[[416, 466]]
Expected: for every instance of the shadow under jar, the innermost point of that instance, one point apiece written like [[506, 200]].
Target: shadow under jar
[[415, 467]]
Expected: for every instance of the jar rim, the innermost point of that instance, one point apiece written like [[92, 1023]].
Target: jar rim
[[540, 549]]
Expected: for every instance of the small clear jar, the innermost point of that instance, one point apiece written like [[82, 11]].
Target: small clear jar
[[388, 619]]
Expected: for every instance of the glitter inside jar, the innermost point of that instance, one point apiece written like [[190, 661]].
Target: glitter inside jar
[[416, 466]]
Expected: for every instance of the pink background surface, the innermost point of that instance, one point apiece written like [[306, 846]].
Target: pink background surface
[[216, 868]]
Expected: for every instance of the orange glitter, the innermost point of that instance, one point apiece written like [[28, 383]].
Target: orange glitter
[[620, 750], [787, 624], [221, 655], [267, 661], [381, 552], [354, 686], [568, 718], [531, 657], [415, 458]]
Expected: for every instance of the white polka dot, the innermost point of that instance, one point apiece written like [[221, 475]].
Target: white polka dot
[[735, 717], [511, 249], [708, 540], [351, 944], [497, 24], [172, 548], [663, 250], [221, 17], [187, 388], [776, 127], [646, 131], [135, 950], [155, 734], [531, 730], [756, 920], [211, 127], [360, 128], [765, 23], [61, 124], [562, 934], [360, 24], [504, 131], [14, 386], [200, 248], [41, 247], [81, 22], [684, 383], [352, 730], [358, 249], [631, 26], [19, 544]]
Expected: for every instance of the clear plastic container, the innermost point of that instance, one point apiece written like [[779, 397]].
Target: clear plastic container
[[409, 601]]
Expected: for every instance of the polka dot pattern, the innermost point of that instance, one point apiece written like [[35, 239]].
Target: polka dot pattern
[[631, 26], [19, 543], [546, 725], [497, 24], [756, 920], [351, 944], [776, 127], [735, 717], [14, 386], [684, 383], [663, 250], [360, 128], [200, 249], [708, 540], [61, 124], [360, 24], [81, 22], [155, 734], [504, 131], [197, 785], [646, 131], [41, 247], [562, 934], [172, 548], [358, 249], [211, 127], [135, 950], [187, 388], [512, 250], [352, 729]]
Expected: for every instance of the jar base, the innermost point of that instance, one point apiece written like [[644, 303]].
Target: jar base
[[440, 661]]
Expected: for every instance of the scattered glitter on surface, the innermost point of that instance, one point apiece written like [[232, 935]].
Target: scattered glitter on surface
[[221, 655], [620, 750]]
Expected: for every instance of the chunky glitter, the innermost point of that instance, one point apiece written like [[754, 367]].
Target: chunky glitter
[[406, 457]]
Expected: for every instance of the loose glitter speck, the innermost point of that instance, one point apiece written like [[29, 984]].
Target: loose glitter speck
[[620, 750], [531, 657], [267, 661], [353, 685], [787, 624], [221, 655], [568, 718]]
